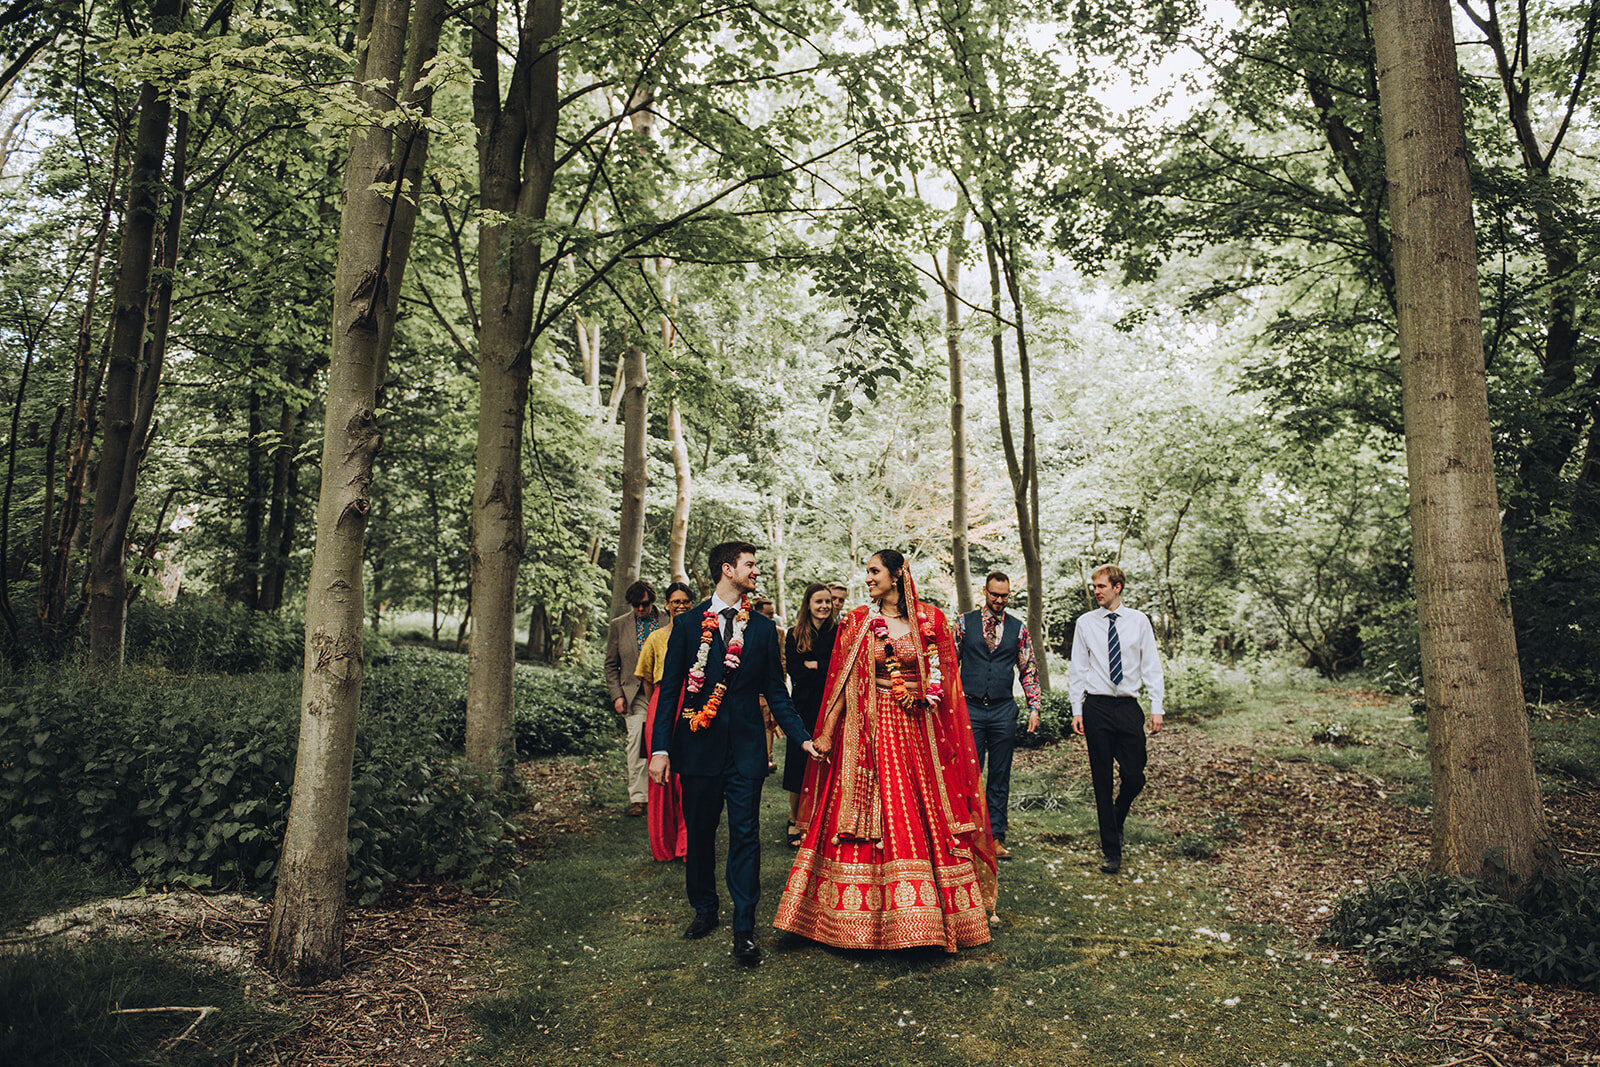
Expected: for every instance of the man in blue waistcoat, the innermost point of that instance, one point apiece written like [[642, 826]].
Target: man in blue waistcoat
[[993, 644]]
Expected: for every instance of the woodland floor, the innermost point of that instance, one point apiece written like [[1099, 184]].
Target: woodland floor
[[1296, 834]]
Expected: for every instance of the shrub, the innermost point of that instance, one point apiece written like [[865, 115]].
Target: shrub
[[187, 781], [1055, 720], [1414, 923], [1194, 689], [1337, 734], [1194, 846], [210, 635], [1391, 649], [556, 710]]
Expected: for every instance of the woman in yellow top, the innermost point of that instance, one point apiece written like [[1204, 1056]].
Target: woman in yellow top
[[664, 813]]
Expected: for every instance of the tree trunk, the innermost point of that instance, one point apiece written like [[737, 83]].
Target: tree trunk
[[281, 509], [960, 558], [684, 478], [516, 166], [305, 938], [1023, 470], [1488, 816], [246, 586], [635, 439], [57, 557], [124, 423]]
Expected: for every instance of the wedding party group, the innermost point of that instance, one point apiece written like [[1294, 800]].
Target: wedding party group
[[899, 727]]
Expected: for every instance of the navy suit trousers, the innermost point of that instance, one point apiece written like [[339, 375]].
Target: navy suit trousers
[[703, 799], [994, 732]]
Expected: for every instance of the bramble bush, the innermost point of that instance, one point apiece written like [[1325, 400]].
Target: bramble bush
[[1412, 924]]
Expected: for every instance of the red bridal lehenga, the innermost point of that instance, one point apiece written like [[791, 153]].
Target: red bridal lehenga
[[897, 850]]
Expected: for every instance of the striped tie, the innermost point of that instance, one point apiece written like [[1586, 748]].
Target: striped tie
[[1114, 649]]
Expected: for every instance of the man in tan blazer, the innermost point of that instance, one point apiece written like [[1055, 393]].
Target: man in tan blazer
[[628, 699]]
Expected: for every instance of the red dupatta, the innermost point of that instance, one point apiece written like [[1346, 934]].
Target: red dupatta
[[849, 684]]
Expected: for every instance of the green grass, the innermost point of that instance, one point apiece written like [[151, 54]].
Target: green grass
[[32, 886], [1566, 749], [1144, 968], [58, 998], [57, 1007]]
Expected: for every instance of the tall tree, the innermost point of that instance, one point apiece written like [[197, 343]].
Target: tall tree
[[1488, 815], [134, 364], [960, 558], [516, 168], [305, 936]]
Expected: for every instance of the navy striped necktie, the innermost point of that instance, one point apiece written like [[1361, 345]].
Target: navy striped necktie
[[1113, 648]]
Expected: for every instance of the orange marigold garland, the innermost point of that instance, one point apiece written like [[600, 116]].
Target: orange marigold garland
[[700, 718], [897, 682]]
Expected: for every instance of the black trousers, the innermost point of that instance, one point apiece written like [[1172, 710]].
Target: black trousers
[[703, 798], [1113, 732]]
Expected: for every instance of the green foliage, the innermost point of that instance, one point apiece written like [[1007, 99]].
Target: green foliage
[[187, 782], [1194, 688], [557, 710], [1391, 646], [1414, 923], [1338, 734], [1055, 720], [1194, 846], [1567, 746], [207, 634]]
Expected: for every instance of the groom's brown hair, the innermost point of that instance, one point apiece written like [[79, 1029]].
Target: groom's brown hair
[[726, 555]]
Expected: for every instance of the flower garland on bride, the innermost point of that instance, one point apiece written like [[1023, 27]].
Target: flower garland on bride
[[701, 718], [930, 646]]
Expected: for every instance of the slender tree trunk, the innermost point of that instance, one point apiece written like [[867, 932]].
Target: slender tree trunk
[[516, 166], [960, 558], [589, 353], [1023, 470], [122, 442], [57, 557], [13, 633], [246, 587], [1488, 816], [635, 441], [305, 937], [684, 478], [280, 509]]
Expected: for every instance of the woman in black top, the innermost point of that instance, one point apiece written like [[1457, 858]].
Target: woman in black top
[[807, 648]]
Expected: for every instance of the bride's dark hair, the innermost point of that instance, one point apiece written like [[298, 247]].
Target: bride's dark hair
[[895, 563]]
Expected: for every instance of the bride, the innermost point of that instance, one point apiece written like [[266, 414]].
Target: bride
[[896, 849]]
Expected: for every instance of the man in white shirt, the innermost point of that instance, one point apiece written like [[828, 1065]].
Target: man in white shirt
[[1113, 651]]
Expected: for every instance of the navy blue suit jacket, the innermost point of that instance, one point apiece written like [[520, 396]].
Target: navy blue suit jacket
[[737, 736]]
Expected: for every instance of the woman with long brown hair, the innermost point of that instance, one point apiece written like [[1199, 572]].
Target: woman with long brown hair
[[806, 651], [896, 849]]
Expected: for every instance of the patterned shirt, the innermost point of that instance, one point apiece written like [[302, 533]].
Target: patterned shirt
[[642, 628], [1026, 666]]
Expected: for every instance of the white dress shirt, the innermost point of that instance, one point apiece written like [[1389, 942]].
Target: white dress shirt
[[1091, 667]]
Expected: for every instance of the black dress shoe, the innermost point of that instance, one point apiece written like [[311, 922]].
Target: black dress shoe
[[745, 949], [1111, 864], [702, 925]]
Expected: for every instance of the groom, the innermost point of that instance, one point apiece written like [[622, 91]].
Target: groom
[[725, 760]]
